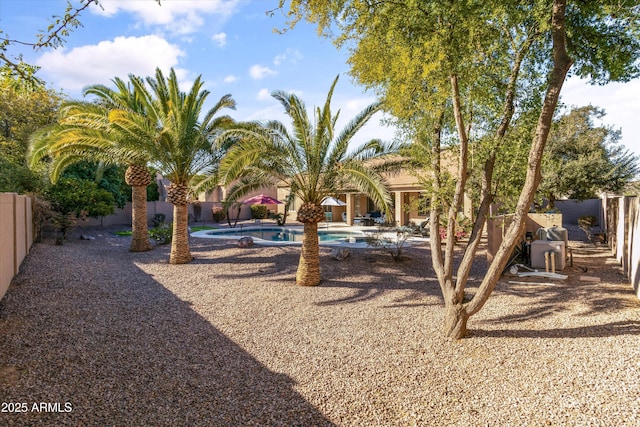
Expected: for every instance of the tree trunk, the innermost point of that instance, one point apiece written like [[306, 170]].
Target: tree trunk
[[458, 312], [180, 252], [309, 266], [561, 64], [455, 321], [139, 226]]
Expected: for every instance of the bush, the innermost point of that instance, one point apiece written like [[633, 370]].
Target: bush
[[162, 234], [80, 197], [585, 223], [218, 214], [258, 211], [390, 245], [158, 219], [463, 228]]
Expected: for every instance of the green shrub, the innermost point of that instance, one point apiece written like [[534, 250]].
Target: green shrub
[[218, 214], [158, 219], [162, 233], [258, 211]]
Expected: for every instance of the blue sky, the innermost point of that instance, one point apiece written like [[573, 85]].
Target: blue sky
[[231, 43]]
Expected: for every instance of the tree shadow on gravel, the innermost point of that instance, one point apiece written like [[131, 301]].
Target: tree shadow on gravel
[[381, 275], [272, 264], [123, 350], [570, 297], [630, 327], [539, 301]]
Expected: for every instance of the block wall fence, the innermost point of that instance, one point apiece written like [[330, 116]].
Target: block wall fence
[[16, 235]]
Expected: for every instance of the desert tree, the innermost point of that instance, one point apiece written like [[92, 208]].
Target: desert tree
[[459, 71], [584, 160]]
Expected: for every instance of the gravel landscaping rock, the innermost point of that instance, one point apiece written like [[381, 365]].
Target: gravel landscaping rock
[[102, 336]]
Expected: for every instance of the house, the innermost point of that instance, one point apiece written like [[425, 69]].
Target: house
[[410, 202]]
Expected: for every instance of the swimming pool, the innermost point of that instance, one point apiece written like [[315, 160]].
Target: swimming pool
[[283, 235]]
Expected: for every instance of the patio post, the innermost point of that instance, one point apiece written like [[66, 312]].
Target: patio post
[[399, 208]]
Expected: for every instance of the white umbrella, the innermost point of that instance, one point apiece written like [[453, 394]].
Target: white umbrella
[[332, 201]]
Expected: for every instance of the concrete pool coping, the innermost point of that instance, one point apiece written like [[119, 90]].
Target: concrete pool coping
[[360, 231]]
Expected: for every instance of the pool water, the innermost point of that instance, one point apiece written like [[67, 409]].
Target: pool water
[[276, 234]]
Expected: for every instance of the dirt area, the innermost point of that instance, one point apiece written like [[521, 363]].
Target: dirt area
[[125, 338]]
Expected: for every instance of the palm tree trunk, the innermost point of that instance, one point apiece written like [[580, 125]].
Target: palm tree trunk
[[180, 252], [309, 266], [139, 227]]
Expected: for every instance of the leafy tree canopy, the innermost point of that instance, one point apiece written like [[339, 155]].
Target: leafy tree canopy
[[23, 109], [109, 178], [462, 71], [583, 159], [80, 197]]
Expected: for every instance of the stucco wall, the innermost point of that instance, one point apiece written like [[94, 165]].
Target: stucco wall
[[123, 216], [497, 226], [16, 235], [622, 217]]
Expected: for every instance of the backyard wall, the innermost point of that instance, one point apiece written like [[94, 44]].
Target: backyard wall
[[573, 209], [622, 221], [123, 216], [497, 226], [16, 235]]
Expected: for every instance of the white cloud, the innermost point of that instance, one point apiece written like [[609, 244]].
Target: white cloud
[[263, 94], [181, 17], [356, 105], [92, 64], [272, 112], [230, 79], [290, 55], [220, 39], [258, 72]]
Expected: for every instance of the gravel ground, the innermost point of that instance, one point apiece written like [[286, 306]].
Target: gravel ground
[[125, 339]]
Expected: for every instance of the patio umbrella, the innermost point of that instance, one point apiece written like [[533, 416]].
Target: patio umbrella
[[332, 201], [262, 199]]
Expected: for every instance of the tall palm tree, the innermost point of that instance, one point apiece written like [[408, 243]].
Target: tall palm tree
[[312, 159], [182, 148], [85, 131]]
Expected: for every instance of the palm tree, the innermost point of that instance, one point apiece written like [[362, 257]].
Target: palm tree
[[85, 131], [182, 148], [311, 159]]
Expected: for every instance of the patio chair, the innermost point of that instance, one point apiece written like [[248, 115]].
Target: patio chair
[[425, 228]]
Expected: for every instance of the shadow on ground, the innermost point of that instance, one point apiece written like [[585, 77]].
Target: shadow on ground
[[544, 298], [597, 331], [368, 272], [130, 353]]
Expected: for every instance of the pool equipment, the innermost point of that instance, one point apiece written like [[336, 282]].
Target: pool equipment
[[548, 254]]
